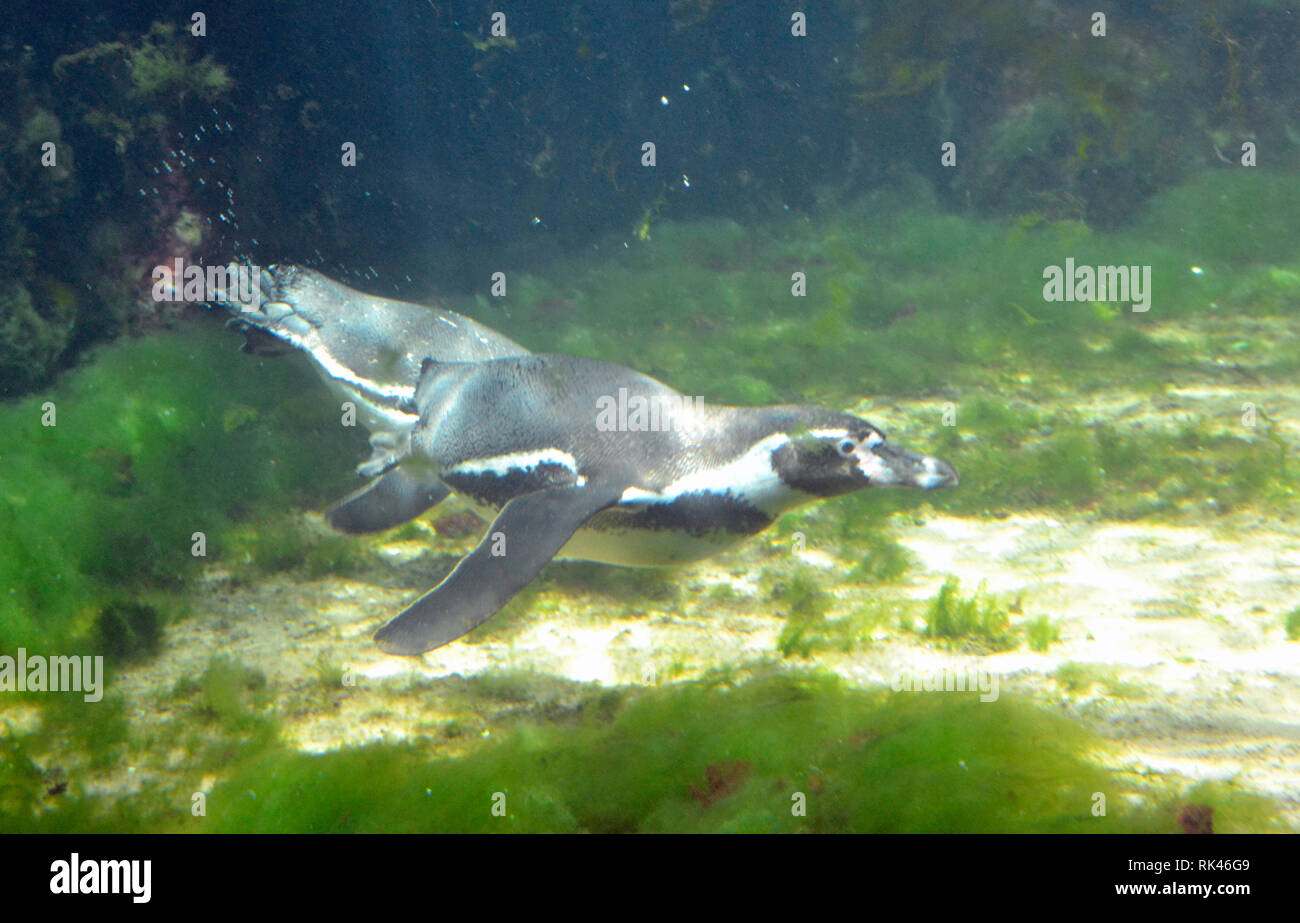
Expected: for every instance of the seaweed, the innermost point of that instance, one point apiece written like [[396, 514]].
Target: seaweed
[[978, 621], [1042, 632], [783, 754], [104, 505]]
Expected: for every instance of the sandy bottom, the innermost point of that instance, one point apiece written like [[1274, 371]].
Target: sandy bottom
[[1199, 681]]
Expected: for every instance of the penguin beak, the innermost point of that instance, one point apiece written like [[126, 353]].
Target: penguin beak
[[889, 465]]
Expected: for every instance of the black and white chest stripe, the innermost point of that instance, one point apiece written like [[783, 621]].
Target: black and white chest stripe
[[496, 480], [741, 496]]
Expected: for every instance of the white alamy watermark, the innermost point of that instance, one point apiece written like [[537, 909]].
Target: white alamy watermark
[[949, 679], [235, 283], [38, 673], [1098, 283], [76, 875], [636, 413]]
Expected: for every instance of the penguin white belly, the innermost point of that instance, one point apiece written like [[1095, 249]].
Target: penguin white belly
[[608, 543], [644, 547]]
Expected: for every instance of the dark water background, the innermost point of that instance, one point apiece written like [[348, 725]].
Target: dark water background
[[530, 147]]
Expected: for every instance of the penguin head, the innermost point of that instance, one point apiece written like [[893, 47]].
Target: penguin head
[[850, 454]]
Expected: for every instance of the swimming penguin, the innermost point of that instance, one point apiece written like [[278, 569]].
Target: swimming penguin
[[543, 446], [529, 440], [369, 350]]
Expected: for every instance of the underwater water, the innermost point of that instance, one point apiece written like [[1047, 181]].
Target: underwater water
[[920, 214]]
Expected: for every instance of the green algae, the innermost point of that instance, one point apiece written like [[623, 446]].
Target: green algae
[[978, 621], [1081, 678], [328, 673], [704, 757], [1042, 632], [1231, 810], [689, 305], [844, 633], [799, 596], [816, 624], [231, 692], [885, 560], [160, 64], [789, 752], [157, 64], [286, 543], [41, 769], [108, 501], [1236, 217], [1015, 458], [34, 333], [129, 629]]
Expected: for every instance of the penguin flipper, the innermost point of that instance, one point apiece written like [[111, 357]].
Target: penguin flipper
[[526, 534], [393, 498]]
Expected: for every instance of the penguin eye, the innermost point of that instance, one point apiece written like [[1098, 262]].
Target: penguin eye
[[847, 446]]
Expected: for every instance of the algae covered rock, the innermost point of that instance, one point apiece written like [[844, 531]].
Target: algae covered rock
[[33, 336], [43, 164]]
